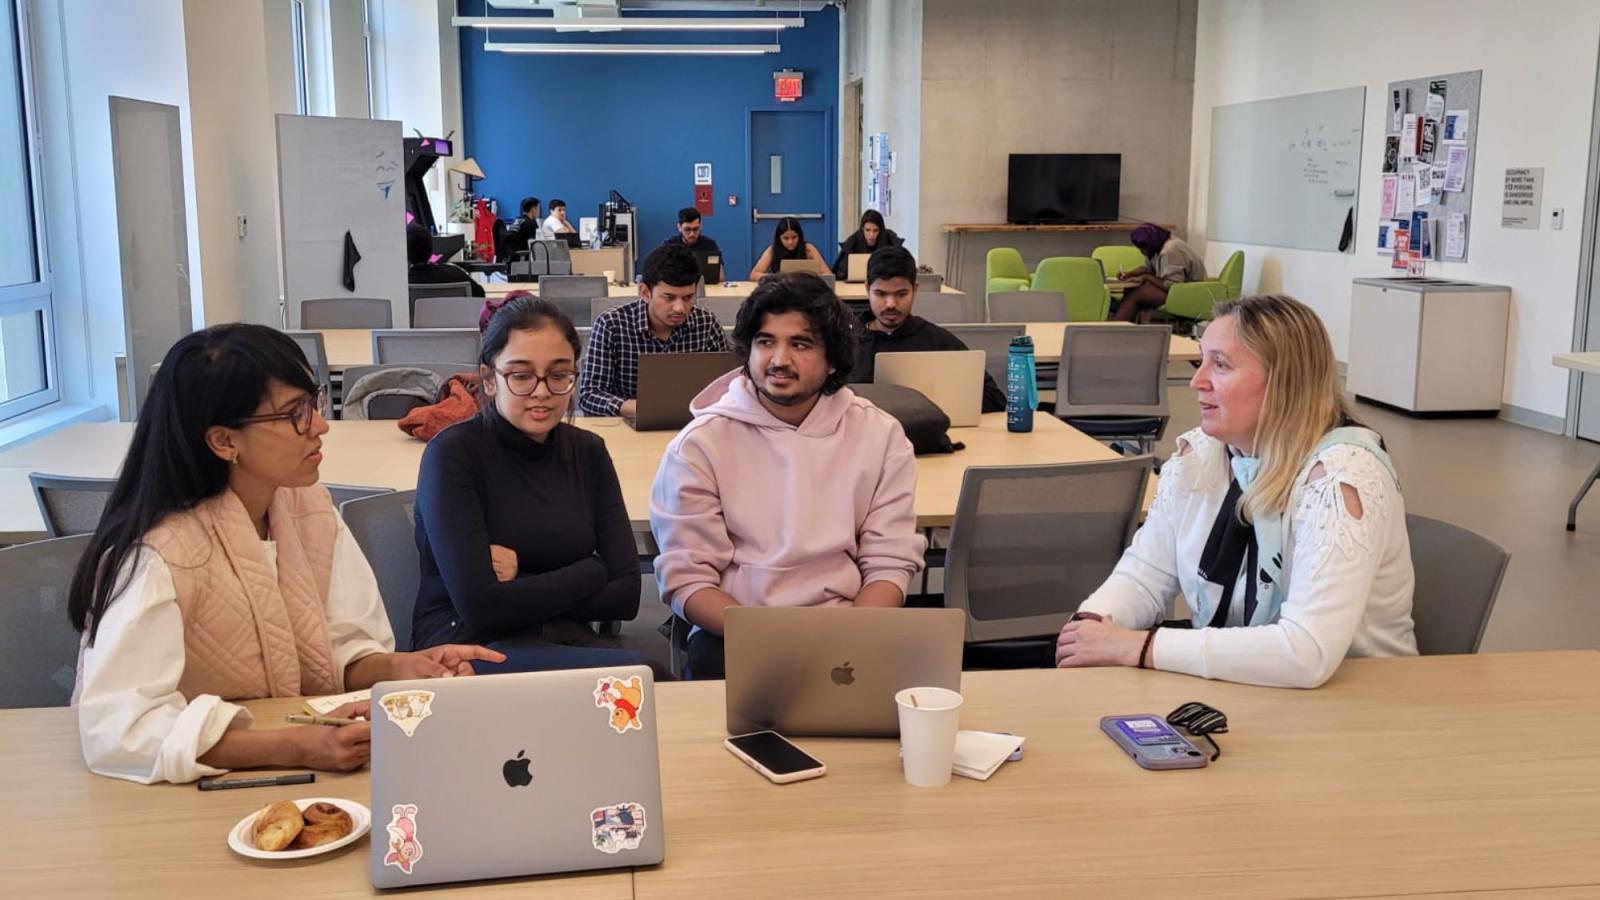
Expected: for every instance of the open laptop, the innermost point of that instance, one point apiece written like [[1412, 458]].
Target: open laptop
[[507, 775], [710, 266], [856, 267], [797, 265], [834, 670], [952, 379], [668, 381]]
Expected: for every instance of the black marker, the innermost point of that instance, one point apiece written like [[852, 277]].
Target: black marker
[[219, 783]]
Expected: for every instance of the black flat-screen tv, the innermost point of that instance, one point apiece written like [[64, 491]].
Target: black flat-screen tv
[[1060, 188]]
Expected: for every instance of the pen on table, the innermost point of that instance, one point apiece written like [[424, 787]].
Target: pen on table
[[219, 783], [298, 719]]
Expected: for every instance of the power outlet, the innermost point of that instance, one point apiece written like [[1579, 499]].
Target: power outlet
[[244, 225], [1558, 218]]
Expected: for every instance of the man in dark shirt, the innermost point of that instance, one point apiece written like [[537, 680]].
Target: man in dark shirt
[[664, 319], [690, 235], [419, 253], [892, 291], [523, 230]]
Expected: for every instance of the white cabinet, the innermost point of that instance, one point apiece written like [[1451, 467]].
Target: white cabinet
[[1428, 345]]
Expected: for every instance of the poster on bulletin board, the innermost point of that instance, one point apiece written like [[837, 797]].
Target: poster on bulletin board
[[1430, 150]]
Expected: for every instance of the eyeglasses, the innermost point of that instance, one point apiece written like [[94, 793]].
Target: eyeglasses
[[299, 414], [523, 384]]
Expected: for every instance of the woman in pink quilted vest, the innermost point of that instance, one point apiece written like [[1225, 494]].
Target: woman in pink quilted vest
[[221, 572]]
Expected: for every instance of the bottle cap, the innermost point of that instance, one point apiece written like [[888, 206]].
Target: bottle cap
[[1022, 341]]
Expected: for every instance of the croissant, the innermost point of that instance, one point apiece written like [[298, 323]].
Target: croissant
[[277, 825]]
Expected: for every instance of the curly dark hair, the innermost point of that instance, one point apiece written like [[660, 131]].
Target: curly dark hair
[[804, 293]]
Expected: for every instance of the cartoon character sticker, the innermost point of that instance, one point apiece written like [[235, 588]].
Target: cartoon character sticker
[[618, 828], [623, 698], [407, 709], [404, 848]]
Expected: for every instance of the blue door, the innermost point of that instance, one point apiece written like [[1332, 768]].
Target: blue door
[[790, 152]]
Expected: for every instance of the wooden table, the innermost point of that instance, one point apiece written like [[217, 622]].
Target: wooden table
[[91, 836], [1047, 338], [1583, 364], [380, 455], [1455, 774]]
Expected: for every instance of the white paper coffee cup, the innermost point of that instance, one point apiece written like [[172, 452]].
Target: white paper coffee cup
[[928, 729]]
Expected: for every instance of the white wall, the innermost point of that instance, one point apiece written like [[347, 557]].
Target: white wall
[[1041, 76], [1538, 62], [420, 79], [85, 53], [883, 48]]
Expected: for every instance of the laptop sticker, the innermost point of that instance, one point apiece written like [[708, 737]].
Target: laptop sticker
[[404, 848], [407, 709], [623, 698], [618, 828]]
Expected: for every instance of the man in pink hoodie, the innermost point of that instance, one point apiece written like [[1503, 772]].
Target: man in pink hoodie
[[786, 489]]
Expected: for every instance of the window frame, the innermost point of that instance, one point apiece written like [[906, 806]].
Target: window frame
[[297, 39]]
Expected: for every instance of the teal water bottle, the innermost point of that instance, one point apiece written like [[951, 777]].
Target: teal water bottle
[[1022, 385]]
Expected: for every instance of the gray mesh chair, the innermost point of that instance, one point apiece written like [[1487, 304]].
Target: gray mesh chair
[[419, 291], [459, 346], [995, 342], [1458, 577], [549, 257], [316, 352], [446, 312], [384, 527], [346, 312], [1027, 306], [38, 646], [939, 307], [1112, 382], [573, 293], [600, 305], [1030, 542], [70, 505], [343, 493]]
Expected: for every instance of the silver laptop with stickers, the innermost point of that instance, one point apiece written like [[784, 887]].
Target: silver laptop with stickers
[[496, 776]]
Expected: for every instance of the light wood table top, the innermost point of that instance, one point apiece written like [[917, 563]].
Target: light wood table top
[[846, 290], [1086, 227], [90, 836], [1047, 337], [1467, 773], [1587, 363], [380, 455]]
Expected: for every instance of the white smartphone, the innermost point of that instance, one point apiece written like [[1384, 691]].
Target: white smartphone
[[771, 754]]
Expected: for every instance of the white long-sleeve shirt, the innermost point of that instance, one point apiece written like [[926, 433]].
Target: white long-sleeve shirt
[[1347, 581], [132, 721]]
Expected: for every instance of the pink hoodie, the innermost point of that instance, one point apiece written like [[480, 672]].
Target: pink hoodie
[[777, 515]]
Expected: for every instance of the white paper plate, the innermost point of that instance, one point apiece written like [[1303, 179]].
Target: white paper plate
[[243, 842]]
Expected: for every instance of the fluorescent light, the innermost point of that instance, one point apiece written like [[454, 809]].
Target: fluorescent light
[[641, 49], [631, 23]]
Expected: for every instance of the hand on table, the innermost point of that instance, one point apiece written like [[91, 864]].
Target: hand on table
[[341, 748], [1087, 642]]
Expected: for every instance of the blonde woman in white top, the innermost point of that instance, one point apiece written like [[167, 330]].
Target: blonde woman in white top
[[1279, 520]]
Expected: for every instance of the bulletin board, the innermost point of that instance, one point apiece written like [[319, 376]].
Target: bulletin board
[[1442, 225]]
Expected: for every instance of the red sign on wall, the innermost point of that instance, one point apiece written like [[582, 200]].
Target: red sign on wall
[[787, 84]]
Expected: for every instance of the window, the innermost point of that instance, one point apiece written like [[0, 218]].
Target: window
[[366, 49], [297, 22], [27, 341]]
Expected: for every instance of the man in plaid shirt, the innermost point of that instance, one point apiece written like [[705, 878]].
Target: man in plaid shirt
[[663, 320]]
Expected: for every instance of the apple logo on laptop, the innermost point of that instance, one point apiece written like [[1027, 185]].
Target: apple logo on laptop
[[516, 771], [845, 674]]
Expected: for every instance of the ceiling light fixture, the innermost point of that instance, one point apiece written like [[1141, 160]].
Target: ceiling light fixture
[[633, 23], [639, 49]]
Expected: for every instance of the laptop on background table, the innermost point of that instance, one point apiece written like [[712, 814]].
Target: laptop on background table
[[507, 775], [834, 670], [952, 379], [710, 266], [856, 267], [667, 384]]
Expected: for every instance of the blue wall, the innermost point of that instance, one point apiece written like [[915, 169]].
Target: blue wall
[[577, 127]]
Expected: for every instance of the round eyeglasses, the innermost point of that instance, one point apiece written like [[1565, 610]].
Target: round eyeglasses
[[523, 384], [300, 412]]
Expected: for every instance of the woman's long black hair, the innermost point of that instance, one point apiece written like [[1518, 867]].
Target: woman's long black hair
[[779, 252], [213, 377]]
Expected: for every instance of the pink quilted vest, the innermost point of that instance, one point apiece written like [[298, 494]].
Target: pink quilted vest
[[247, 634]]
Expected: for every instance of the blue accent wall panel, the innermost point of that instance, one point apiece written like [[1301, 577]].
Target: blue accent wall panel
[[579, 126]]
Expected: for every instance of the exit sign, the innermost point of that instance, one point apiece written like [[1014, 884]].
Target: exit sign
[[787, 84]]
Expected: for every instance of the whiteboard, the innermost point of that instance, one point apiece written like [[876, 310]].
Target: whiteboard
[[339, 175], [1285, 172]]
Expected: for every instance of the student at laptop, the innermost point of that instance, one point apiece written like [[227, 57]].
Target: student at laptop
[[786, 489], [788, 243], [1279, 520], [523, 230], [520, 521], [892, 293], [220, 572], [556, 223], [419, 253], [690, 234], [872, 236], [664, 320]]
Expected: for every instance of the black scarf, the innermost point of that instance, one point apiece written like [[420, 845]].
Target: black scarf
[[1230, 547]]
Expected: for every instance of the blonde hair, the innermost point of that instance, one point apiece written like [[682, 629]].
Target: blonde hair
[[1302, 401]]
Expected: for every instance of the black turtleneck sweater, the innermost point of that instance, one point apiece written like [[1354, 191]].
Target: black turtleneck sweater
[[557, 504]]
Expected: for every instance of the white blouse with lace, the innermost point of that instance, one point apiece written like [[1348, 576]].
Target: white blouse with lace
[[1347, 580]]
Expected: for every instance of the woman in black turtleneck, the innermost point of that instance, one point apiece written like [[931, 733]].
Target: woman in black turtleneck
[[520, 521]]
